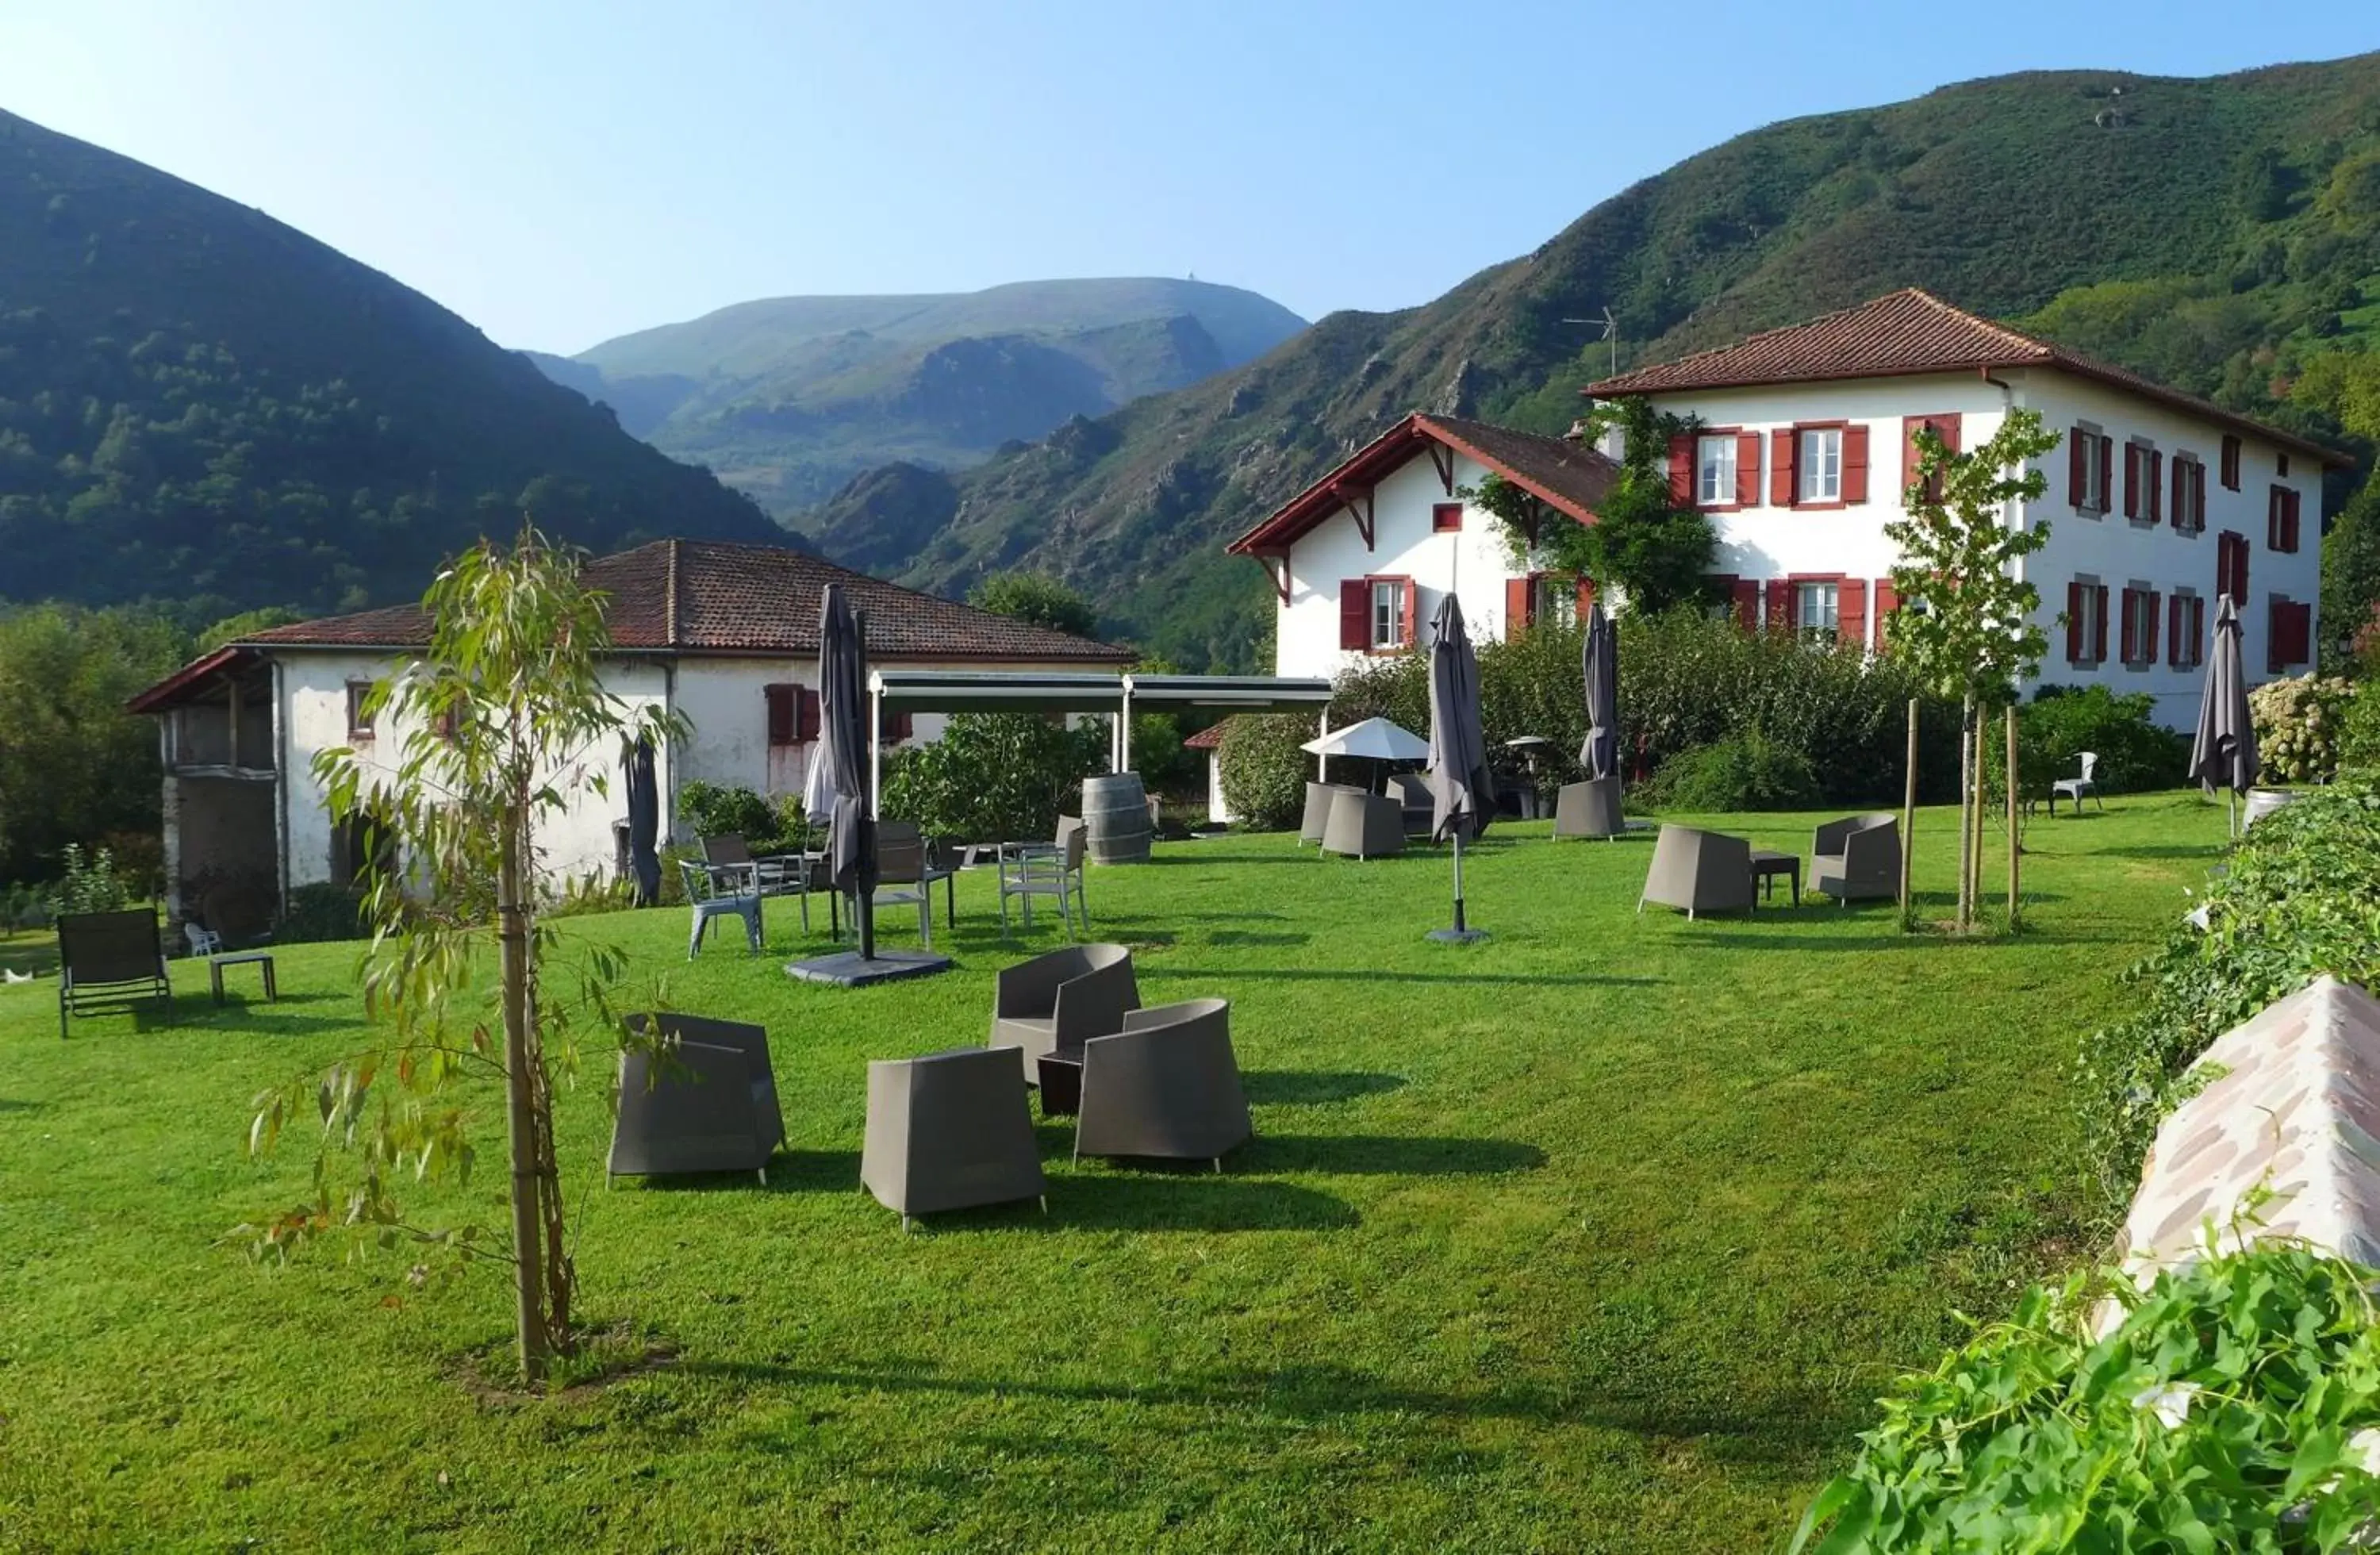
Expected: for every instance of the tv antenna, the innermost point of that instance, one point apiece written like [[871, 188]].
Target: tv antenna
[[1611, 333]]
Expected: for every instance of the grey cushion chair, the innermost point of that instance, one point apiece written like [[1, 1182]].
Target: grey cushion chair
[[1048, 870], [2075, 788], [903, 876], [1166, 1086], [111, 961], [1364, 825], [1700, 871], [1857, 857], [1411, 791], [1058, 1001], [705, 1101], [1319, 797], [949, 1131], [715, 893], [773, 874], [1589, 810]]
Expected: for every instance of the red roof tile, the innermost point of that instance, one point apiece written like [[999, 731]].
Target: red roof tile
[[1901, 334]]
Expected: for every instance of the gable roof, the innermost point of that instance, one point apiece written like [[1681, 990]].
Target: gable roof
[[1905, 333], [716, 598], [1567, 477]]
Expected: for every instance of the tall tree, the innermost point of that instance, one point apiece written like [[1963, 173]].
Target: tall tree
[[74, 766], [1966, 621], [1045, 602], [507, 725]]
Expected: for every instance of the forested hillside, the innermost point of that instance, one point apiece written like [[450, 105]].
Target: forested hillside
[[201, 405], [2215, 232]]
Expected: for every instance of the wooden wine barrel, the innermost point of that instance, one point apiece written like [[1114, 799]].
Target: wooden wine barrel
[[1115, 816]]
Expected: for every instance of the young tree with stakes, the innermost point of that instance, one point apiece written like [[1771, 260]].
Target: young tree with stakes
[[507, 725], [1966, 621]]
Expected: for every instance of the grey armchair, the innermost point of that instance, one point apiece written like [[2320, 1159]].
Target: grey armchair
[[949, 1131], [1589, 810], [714, 893], [1700, 871], [1411, 791], [1318, 797], [1857, 857], [1058, 1001], [706, 1101], [1166, 1086], [1364, 825]]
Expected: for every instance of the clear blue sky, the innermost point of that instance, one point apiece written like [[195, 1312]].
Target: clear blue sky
[[559, 173]]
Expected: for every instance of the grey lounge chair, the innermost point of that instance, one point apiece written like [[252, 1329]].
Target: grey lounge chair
[[1058, 1001], [1700, 871], [1166, 1086], [714, 893], [2075, 788], [705, 1101], [1857, 857], [1589, 810], [1319, 797], [949, 1131], [111, 962], [1364, 825], [1411, 791]]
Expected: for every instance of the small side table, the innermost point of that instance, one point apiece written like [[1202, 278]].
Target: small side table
[[1061, 1084], [1767, 867], [260, 959]]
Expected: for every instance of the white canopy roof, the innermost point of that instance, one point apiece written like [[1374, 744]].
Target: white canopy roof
[[1375, 738]]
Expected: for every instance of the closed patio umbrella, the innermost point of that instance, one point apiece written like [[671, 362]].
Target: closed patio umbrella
[[1600, 661], [1463, 791], [2223, 753], [644, 822]]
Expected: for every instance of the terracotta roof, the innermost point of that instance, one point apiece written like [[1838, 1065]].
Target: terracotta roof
[[712, 597], [1901, 334], [1209, 738], [1568, 477]]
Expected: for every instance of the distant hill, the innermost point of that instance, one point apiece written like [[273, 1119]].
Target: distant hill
[[2213, 233], [787, 398], [200, 404]]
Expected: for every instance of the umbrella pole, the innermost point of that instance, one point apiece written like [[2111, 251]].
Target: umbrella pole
[[1458, 925]]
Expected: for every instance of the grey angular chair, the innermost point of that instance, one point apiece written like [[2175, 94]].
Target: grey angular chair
[[714, 892], [1857, 857], [1364, 825], [1166, 1086], [1318, 798], [705, 1101], [949, 1131], [1699, 871], [1411, 791], [111, 961], [1054, 1003], [1589, 810]]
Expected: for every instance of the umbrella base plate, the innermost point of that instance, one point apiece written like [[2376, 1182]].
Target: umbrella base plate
[[850, 970], [1458, 936]]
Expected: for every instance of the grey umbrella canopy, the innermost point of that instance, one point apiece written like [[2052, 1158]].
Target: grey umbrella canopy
[[644, 822], [1463, 791], [2223, 753], [1600, 661], [843, 746]]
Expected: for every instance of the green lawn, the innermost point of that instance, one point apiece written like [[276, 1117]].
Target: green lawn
[[1601, 1235]]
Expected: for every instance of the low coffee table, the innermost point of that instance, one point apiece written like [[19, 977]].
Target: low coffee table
[[1767, 867], [1061, 1084]]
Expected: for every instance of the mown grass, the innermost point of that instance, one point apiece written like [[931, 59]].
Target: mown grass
[[1599, 1236]]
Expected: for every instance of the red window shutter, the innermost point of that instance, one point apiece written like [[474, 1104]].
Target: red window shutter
[[1516, 607], [1910, 454], [2177, 617], [1586, 596], [2295, 499], [2240, 570], [2273, 519], [2099, 624], [2274, 661], [2156, 482], [1409, 627], [2198, 498], [1355, 613], [1946, 427], [2131, 480], [2074, 654], [2149, 618], [2181, 490], [2197, 632], [780, 714], [1747, 470], [1887, 600], [2128, 641], [2078, 468], [1856, 463], [1745, 593], [1784, 448], [1681, 470], [1851, 610], [1781, 604], [2106, 472]]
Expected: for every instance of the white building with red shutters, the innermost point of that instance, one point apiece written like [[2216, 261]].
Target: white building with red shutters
[[2156, 501]]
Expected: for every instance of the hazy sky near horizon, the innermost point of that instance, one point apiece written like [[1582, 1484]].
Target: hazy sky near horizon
[[559, 172]]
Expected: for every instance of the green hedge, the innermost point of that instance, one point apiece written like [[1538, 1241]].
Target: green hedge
[[994, 776]]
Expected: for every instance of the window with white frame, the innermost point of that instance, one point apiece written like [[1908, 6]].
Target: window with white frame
[[1715, 485], [1821, 465], [1390, 627], [2093, 447], [1815, 606]]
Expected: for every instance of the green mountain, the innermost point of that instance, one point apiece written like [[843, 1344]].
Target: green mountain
[[2215, 232], [789, 397], [200, 404]]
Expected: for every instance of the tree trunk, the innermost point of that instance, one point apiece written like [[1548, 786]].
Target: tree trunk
[[1975, 854], [1966, 798], [521, 1082], [1909, 812], [2014, 851]]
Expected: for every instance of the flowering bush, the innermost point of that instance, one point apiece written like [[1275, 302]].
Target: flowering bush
[[2298, 725]]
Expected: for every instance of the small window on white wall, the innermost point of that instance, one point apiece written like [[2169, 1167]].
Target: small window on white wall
[[1814, 609], [1821, 465], [1715, 486], [1389, 625]]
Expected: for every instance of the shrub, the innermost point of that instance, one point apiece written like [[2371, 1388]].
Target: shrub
[[1265, 773], [1747, 772], [25, 906], [90, 884], [712, 809], [2136, 754], [322, 911], [2300, 722], [994, 776]]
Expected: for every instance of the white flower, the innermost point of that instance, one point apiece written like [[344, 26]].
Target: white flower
[[2365, 1445], [2169, 1402]]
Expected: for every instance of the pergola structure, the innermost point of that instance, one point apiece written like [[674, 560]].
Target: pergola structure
[[1117, 696]]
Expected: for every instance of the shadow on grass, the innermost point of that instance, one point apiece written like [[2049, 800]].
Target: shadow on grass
[[1375, 974], [1229, 937], [8, 1105], [2169, 850], [1315, 1087], [1387, 1155]]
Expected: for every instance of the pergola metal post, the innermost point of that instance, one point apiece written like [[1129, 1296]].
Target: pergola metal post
[[1322, 763], [875, 749]]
